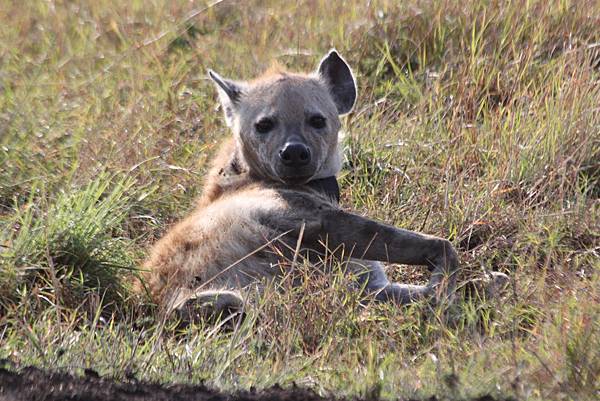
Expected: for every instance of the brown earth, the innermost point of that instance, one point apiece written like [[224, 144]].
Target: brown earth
[[32, 384]]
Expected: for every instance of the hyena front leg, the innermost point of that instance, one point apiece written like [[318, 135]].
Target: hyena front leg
[[371, 240], [373, 281]]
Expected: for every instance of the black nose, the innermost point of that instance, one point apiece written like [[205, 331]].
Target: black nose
[[295, 154]]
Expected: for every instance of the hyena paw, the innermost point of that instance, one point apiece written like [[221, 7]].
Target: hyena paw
[[492, 286], [209, 305]]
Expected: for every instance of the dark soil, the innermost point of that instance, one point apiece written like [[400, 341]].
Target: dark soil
[[32, 384]]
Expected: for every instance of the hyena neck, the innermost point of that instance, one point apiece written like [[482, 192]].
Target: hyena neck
[[227, 174], [327, 186]]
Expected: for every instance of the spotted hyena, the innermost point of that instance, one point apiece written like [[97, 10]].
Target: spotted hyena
[[274, 182]]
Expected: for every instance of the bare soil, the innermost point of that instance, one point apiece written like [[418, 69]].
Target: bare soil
[[33, 384]]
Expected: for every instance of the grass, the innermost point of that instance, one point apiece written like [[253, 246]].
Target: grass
[[478, 122]]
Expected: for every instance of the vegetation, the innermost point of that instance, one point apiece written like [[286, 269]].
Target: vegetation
[[478, 121]]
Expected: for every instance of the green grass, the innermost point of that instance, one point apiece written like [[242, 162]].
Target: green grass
[[477, 122]]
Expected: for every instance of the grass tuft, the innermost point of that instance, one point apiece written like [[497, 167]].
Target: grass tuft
[[71, 247]]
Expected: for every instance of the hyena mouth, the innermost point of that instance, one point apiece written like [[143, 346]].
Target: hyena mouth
[[296, 179], [295, 176]]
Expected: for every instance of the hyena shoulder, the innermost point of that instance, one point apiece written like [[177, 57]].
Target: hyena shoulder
[[206, 247]]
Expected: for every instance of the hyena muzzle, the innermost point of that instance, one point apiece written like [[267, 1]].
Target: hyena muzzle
[[274, 182]]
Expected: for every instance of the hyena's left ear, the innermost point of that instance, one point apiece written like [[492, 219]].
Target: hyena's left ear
[[229, 94], [342, 85]]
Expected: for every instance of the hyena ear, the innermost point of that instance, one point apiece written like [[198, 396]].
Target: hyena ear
[[342, 85], [229, 94]]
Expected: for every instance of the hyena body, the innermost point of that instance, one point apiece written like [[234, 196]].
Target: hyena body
[[260, 193]]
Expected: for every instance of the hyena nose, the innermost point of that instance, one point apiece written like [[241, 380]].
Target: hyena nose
[[295, 154]]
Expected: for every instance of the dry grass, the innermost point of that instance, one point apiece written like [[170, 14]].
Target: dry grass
[[479, 122]]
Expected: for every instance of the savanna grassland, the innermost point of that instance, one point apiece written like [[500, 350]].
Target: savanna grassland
[[478, 121]]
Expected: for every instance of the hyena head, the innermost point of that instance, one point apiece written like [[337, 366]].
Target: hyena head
[[286, 125]]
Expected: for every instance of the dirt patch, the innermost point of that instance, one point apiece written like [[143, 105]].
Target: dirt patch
[[32, 384]]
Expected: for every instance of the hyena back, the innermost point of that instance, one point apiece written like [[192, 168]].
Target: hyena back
[[265, 186]]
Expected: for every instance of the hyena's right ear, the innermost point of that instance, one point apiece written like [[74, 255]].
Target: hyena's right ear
[[229, 94]]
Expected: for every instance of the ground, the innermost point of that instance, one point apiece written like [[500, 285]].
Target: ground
[[34, 384], [477, 121]]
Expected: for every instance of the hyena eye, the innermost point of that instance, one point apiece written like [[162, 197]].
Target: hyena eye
[[317, 122], [264, 125]]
